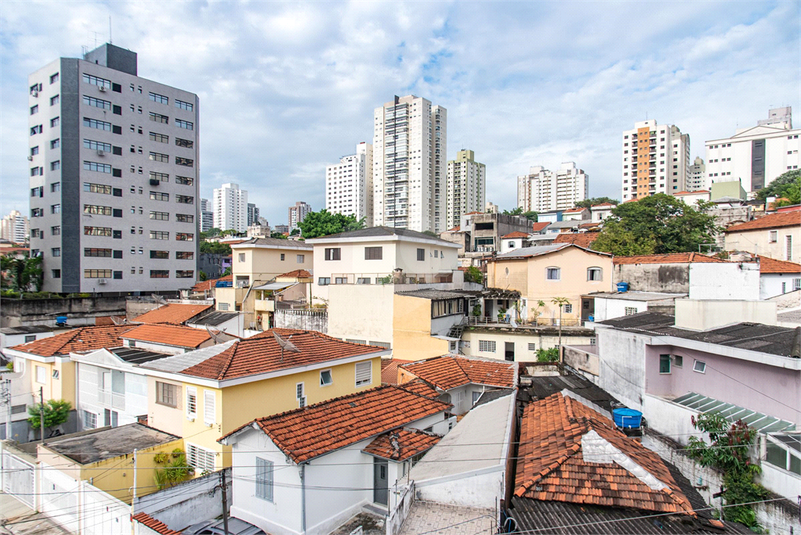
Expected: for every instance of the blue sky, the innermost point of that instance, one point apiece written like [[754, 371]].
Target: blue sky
[[286, 88]]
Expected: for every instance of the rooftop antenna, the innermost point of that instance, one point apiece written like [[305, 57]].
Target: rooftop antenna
[[110, 41], [215, 334], [285, 345], [95, 39], [158, 299]]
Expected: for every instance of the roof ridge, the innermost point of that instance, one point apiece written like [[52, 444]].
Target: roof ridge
[[230, 360]]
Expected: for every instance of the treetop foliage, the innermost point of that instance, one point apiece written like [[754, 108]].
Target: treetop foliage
[[786, 186], [324, 223], [589, 203]]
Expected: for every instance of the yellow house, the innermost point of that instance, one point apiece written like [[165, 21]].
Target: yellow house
[[546, 272], [205, 394], [106, 458]]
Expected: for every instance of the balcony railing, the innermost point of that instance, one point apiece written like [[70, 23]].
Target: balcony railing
[[389, 278], [112, 399]]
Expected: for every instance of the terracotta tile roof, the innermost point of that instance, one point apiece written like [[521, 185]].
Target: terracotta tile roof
[[410, 442], [771, 265], [296, 274], [209, 284], [784, 219], [175, 313], [574, 210], [591, 224], [670, 258], [474, 212], [420, 387], [582, 239], [536, 227], [551, 464], [262, 354], [76, 340], [515, 234], [389, 370], [603, 205], [172, 335], [450, 372], [156, 525], [306, 433]]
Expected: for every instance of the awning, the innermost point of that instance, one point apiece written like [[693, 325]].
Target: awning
[[755, 420], [274, 286]]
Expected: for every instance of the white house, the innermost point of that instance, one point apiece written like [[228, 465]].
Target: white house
[[601, 211], [311, 469], [514, 240], [777, 277], [607, 305], [13, 336]]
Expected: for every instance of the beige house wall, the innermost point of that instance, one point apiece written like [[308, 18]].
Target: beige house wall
[[759, 242]]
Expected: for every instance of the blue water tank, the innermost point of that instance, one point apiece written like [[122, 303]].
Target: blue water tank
[[622, 287], [591, 318], [625, 417], [61, 320]]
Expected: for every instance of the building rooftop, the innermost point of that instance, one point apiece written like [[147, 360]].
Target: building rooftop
[[306, 433], [515, 234], [431, 293], [296, 274], [449, 372], [636, 296], [107, 443], [389, 370], [670, 258], [778, 220], [136, 356], [582, 239], [410, 442], [421, 388], [541, 250], [169, 335], [156, 525], [211, 283], [262, 354], [175, 313], [215, 318], [572, 385], [539, 226], [570, 453], [768, 265], [382, 232], [26, 329], [76, 340], [272, 242]]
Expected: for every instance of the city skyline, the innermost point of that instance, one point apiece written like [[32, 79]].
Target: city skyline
[[307, 94]]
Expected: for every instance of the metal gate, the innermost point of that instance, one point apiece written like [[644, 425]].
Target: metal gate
[[18, 478]]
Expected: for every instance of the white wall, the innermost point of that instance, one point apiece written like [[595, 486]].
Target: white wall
[[773, 284], [11, 340], [700, 315], [479, 490], [88, 398], [621, 356], [733, 280], [607, 309], [361, 312]]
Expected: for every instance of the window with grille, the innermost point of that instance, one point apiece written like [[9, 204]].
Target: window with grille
[[364, 373], [373, 253], [421, 255], [486, 346], [200, 458], [89, 420], [532, 347], [300, 394], [191, 402], [628, 311], [264, 479], [209, 407]]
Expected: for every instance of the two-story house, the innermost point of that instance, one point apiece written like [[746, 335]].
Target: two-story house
[[775, 235]]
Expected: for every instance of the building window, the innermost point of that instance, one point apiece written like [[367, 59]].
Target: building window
[[55, 166], [55, 273], [89, 420], [159, 138], [628, 311], [161, 99], [209, 407], [186, 162], [552, 274], [200, 458], [97, 231], [191, 402], [364, 373], [184, 236], [184, 124], [333, 253], [486, 346], [97, 167], [373, 253], [160, 216], [95, 209], [241, 257], [55, 100], [323, 281], [567, 308], [159, 157], [96, 145], [788, 248], [55, 251], [300, 258], [184, 255], [264, 479], [166, 394], [93, 252], [34, 109], [159, 196], [53, 78], [159, 274], [326, 378], [594, 274], [96, 273], [183, 105], [184, 273], [96, 102], [340, 280], [161, 255], [664, 364], [184, 180], [184, 199], [421, 255], [94, 123], [159, 235], [678, 361], [159, 118], [300, 394], [94, 80], [773, 236], [185, 218], [699, 366], [186, 143], [41, 375], [363, 280]]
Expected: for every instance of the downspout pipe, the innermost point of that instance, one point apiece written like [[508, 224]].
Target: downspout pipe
[[303, 498]]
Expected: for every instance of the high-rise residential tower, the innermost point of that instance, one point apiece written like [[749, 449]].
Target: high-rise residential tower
[[466, 188], [253, 214], [206, 215], [297, 213], [349, 184], [15, 227], [231, 208], [656, 159], [114, 168], [409, 164], [696, 175], [542, 190]]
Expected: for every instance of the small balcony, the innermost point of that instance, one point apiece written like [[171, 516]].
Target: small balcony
[[264, 305], [111, 399]]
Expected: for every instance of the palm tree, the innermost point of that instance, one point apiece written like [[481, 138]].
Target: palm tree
[[560, 302]]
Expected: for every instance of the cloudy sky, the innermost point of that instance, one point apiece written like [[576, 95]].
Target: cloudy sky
[[286, 88]]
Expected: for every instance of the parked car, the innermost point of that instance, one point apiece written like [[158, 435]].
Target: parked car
[[215, 527]]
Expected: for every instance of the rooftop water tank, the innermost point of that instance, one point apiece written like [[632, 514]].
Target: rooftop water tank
[[625, 417], [622, 287]]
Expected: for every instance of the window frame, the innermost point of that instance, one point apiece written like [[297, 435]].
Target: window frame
[[191, 403], [595, 269], [162, 399], [556, 270], [664, 364], [265, 479], [374, 253], [330, 381], [697, 368], [333, 253], [363, 382]]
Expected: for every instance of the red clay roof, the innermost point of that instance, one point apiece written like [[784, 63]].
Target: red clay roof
[[670, 258], [175, 313], [450, 372], [209, 284], [389, 370], [551, 463], [76, 340], [156, 525], [582, 239], [410, 442], [771, 265], [171, 335], [515, 234], [420, 387], [573, 210], [783, 219], [455, 229], [297, 274], [536, 227], [262, 354], [603, 205], [306, 433]]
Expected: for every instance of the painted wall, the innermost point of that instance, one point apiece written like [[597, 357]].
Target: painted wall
[[262, 263], [526, 341], [734, 280], [361, 312], [89, 397], [480, 490], [11, 340], [701, 315], [759, 242], [622, 366], [607, 309], [670, 278], [412, 325], [773, 284]]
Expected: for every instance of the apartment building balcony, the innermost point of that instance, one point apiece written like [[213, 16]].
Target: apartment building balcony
[[396, 277], [264, 305], [111, 399]]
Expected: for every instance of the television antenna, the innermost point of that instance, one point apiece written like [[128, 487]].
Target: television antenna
[[158, 299], [215, 334], [285, 345]]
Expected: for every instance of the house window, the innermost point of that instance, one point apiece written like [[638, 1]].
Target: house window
[[568, 308], [788, 245], [333, 253], [363, 280], [486, 346], [89, 420], [223, 306], [41, 375], [421, 255], [796, 284], [532, 347], [324, 281], [283, 257], [340, 280], [699, 366], [326, 378], [678, 361], [594, 274], [209, 407], [191, 402], [30, 338], [773, 236], [200, 458], [364, 373], [664, 363], [166, 394], [241, 257], [300, 259], [300, 394], [552, 273], [373, 253], [628, 311], [264, 479]]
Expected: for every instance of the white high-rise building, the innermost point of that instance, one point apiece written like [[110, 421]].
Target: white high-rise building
[[466, 188], [297, 213], [409, 164], [755, 155], [656, 159], [542, 190], [696, 175], [349, 184], [231, 208], [14, 227], [114, 162]]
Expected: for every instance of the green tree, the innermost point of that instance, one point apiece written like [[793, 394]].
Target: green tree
[[215, 247], [431, 233], [324, 223], [278, 236], [560, 302], [473, 274], [22, 273], [786, 186], [531, 216], [211, 233], [589, 203], [226, 272], [656, 225], [548, 355], [202, 276], [56, 412]]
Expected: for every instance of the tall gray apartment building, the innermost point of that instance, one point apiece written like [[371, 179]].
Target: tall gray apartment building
[[113, 176]]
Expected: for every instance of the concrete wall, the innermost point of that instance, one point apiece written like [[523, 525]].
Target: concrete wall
[[735, 280], [361, 312], [669, 278], [308, 320], [479, 490], [622, 365], [582, 358], [79, 310], [702, 315], [759, 242]]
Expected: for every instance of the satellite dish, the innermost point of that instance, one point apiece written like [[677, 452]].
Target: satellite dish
[[117, 321], [285, 345], [215, 334], [158, 299]]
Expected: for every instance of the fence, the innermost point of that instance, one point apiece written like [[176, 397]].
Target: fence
[[401, 511]]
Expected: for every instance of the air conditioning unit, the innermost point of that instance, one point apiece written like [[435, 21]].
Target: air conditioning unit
[[30, 158], [102, 88], [101, 152], [101, 281]]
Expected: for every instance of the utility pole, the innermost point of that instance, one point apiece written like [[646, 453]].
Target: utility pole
[[41, 412], [225, 501], [133, 499], [5, 397]]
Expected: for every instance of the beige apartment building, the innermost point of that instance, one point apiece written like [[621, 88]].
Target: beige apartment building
[[656, 159], [466, 189]]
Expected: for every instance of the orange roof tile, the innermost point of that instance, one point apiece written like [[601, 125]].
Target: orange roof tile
[[77, 340], [769, 265], [297, 274], [582, 239], [551, 463], [515, 234], [670, 258], [474, 212], [603, 205], [262, 354], [171, 335], [209, 284], [410, 442], [389, 370], [455, 229], [574, 210], [538, 226], [783, 219], [420, 387], [175, 313], [156, 525], [306, 433], [449, 372]]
